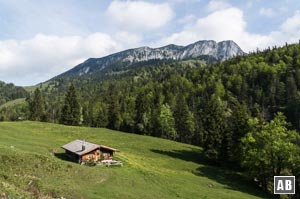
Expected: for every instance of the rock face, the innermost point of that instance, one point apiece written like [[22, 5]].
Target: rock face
[[218, 51]]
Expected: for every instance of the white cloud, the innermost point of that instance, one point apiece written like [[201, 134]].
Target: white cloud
[[229, 24], [289, 31], [136, 15], [225, 24], [215, 5], [292, 24], [37, 59], [268, 12]]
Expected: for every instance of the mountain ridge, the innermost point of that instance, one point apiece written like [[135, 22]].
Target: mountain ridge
[[218, 51]]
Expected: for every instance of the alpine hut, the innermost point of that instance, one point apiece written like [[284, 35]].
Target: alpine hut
[[81, 151]]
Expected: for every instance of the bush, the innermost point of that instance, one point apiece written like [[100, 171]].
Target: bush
[[90, 162]]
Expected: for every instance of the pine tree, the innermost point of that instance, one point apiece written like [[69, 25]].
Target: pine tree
[[166, 122], [114, 115], [71, 111], [101, 119], [37, 106], [143, 111], [237, 127], [184, 120], [113, 112], [215, 125], [292, 101]]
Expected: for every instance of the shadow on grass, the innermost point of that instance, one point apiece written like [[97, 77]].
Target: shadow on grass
[[231, 179], [192, 155], [64, 157], [228, 177]]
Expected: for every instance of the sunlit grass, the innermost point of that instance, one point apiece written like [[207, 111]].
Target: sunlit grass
[[32, 166]]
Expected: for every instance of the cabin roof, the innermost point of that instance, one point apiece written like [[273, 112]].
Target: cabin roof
[[76, 147], [109, 148]]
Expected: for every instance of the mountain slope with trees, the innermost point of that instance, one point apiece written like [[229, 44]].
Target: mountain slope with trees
[[12, 102], [9, 92]]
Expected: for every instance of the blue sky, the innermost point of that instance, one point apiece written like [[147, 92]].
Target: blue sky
[[40, 38]]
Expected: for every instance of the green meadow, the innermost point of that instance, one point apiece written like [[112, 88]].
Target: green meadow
[[32, 165]]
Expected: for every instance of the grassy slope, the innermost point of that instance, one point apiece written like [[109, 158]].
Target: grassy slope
[[13, 103], [33, 165]]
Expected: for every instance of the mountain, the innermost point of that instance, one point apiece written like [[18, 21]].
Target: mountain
[[206, 50]]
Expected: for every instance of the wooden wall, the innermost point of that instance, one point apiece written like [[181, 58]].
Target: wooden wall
[[95, 155]]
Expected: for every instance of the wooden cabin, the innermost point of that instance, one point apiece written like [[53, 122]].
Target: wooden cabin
[[81, 151]]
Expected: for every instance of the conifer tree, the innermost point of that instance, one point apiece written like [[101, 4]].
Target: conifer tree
[[143, 110], [113, 112], [37, 106], [237, 127], [71, 111], [101, 119], [166, 122], [215, 125], [184, 120], [114, 116]]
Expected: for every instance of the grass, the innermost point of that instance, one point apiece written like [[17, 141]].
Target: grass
[[13, 103], [32, 165]]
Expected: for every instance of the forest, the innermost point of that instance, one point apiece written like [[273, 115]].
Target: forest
[[244, 112], [10, 92]]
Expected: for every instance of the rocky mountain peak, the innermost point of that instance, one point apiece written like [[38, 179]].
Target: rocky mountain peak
[[217, 51]]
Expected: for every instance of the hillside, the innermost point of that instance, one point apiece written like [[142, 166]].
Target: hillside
[[13, 105], [14, 110], [10, 92], [33, 166]]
